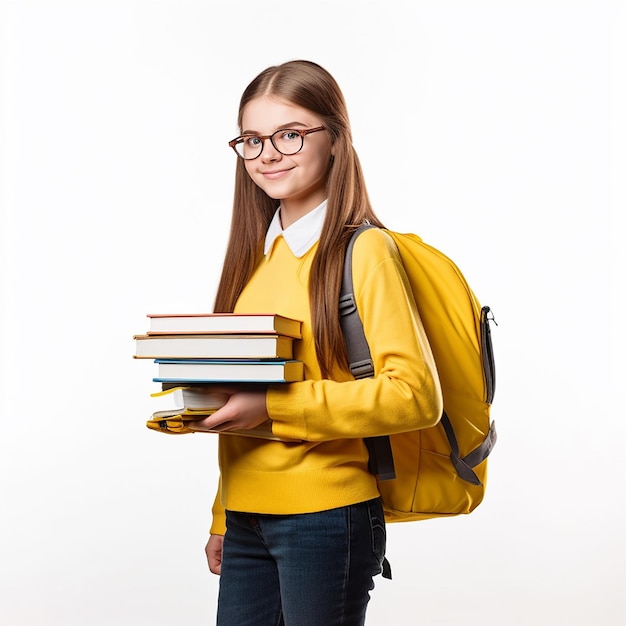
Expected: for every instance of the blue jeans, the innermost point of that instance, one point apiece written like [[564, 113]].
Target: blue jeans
[[310, 569]]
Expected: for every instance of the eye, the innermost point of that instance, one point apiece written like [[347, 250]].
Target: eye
[[290, 136], [252, 141]]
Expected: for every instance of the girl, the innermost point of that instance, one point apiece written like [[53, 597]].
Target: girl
[[298, 529]]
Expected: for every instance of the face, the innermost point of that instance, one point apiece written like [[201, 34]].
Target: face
[[297, 180]]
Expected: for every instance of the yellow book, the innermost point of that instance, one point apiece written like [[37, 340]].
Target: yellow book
[[222, 323]]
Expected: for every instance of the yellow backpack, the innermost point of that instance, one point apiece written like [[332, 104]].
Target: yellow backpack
[[438, 471]]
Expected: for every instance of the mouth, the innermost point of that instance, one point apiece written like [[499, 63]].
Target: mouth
[[276, 174]]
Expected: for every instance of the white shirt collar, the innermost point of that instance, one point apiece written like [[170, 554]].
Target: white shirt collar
[[299, 236]]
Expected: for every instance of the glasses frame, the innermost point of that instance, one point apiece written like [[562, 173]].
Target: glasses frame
[[303, 133]]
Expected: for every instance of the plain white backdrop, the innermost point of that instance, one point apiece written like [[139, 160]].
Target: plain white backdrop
[[495, 130]]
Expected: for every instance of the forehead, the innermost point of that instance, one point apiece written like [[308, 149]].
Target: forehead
[[266, 114]]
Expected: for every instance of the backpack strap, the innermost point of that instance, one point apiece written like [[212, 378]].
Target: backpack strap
[[464, 466], [361, 364]]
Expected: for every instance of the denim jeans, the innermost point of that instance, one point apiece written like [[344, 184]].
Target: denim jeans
[[310, 569]]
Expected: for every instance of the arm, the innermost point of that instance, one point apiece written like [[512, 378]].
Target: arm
[[403, 395]]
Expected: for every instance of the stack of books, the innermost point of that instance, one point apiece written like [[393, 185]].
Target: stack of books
[[193, 352]]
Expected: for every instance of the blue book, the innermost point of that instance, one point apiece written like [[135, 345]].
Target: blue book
[[214, 370]]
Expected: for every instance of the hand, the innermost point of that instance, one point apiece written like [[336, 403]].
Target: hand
[[245, 408], [213, 551]]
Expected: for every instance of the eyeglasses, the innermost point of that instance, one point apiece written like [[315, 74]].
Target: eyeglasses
[[287, 141]]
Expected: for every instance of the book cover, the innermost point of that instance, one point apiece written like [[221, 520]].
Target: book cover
[[222, 323], [191, 370], [213, 346]]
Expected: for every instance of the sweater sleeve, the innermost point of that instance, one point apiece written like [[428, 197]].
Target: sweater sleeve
[[404, 393], [218, 526]]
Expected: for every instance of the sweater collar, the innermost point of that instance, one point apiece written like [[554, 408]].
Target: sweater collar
[[300, 236]]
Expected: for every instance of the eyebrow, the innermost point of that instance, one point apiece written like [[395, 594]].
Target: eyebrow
[[281, 127]]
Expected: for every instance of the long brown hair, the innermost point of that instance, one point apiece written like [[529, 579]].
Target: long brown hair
[[305, 84]]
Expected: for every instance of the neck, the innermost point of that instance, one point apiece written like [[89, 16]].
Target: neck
[[292, 210]]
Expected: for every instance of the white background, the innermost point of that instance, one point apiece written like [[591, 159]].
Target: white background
[[493, 129]]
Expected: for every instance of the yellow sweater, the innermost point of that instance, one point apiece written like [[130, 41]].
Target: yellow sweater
[[329, 468]]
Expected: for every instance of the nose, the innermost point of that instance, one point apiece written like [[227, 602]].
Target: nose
[[269, 152]]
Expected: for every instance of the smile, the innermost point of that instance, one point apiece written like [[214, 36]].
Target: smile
[[275, 174]]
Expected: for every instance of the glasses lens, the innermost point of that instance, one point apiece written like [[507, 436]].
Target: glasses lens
[[249, 147], [287, 141]]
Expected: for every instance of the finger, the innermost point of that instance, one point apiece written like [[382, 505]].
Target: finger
[[211, 427], [213, 421], [215, 567]]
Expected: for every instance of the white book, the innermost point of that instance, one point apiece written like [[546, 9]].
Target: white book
[[213, 347]]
